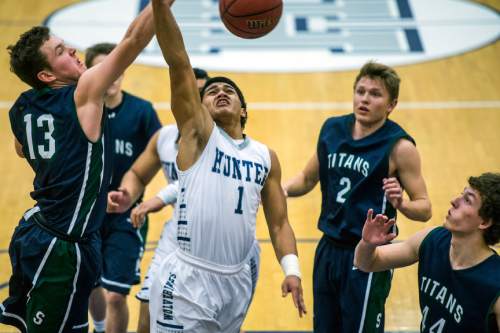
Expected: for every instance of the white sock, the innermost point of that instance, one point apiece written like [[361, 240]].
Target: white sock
[[99, 326]]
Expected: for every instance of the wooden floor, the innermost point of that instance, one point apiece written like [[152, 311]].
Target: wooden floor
[[454, 143]]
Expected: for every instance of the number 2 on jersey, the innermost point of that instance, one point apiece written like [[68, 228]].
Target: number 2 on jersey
[[47, 135], [346, 183]]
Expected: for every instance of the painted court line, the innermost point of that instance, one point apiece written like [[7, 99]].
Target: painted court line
[[343, 106]]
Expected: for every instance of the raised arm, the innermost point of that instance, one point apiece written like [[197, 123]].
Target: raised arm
[[373, 254], [193, 120], [305, 180], [95, 81], [405, 159], [282, 236], [136, 178]]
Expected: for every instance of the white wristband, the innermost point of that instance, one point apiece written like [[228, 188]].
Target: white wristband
[[290, 265], [168, 194]]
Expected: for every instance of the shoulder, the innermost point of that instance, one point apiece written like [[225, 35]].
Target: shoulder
[[404, 152], [432, 236], [141, 103], [333, 121], [168, 131]]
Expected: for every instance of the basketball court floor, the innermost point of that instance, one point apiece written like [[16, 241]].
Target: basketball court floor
[[449, 102]]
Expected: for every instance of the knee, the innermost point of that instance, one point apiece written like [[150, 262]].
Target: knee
[[114, 299]]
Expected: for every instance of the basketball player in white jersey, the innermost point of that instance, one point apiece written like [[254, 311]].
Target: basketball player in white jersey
[[205, 285], [161, 151]]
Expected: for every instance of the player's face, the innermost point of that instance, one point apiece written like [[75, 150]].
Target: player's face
[[65, 65], [116, 87], [223, 102], [371, 102], [463, 216]]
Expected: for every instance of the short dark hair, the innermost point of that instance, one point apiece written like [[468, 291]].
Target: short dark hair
[[200, 74], [386, 74], [488, 186], [97, 49], [226, 80], [26, 58]]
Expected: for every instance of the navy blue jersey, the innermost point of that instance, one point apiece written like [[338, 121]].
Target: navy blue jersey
[[351, 173], [455, 300], [132, 124], [71, 172]]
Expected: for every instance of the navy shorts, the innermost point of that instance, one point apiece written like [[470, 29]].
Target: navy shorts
[[51, 281], [122, 251], [346, 299]]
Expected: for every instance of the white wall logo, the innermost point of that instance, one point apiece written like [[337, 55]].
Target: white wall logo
[[313, 35]]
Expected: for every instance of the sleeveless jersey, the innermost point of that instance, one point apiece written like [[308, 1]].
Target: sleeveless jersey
[[455, 300], [351, 173], [132, 124], [218, 199], [167, 149], [71, 172]]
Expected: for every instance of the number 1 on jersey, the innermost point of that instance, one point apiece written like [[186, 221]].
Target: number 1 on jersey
[[238, 209]]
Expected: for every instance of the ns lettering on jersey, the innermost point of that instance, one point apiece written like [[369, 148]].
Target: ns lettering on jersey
[[219, 197], [455, 300], [133, 122], [351, 173]]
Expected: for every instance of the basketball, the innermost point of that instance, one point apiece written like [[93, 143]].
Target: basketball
[[250, 18]]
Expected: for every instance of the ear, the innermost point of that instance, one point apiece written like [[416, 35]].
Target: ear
[[485, 224], [392, 106], [46, 76], [243, 112]]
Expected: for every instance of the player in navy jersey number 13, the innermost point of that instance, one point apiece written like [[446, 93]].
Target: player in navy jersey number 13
[[61, 130]]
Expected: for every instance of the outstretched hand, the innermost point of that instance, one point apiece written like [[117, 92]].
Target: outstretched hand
[[376, 230], [393, 191], [292, 284], [119, 201]]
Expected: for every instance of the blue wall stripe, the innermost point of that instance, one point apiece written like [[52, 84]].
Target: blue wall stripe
[[404, 9], [414, 40], [300, 24]]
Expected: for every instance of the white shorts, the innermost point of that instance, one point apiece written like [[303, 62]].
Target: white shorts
[[166, 245], [192, 295]]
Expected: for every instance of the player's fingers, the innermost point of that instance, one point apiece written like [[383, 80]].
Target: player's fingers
[[393, 190], [369, 215], [295, 297], [390, 237], [380, 218], [284, 289]]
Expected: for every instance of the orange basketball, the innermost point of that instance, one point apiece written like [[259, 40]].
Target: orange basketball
[[250, 18]]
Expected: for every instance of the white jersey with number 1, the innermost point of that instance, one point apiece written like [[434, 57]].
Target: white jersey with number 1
[[219, 197]]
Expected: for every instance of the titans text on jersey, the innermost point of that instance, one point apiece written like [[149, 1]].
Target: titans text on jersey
[[348, 161]]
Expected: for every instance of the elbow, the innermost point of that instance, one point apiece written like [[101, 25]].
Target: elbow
[[427, 212]]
